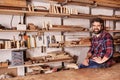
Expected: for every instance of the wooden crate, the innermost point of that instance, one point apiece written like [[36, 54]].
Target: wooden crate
[[13, 3], [12, 71]]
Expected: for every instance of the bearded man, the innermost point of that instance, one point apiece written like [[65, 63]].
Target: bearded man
[[101, 50]]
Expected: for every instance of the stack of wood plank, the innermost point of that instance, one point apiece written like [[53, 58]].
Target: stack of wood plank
[[50, 57]]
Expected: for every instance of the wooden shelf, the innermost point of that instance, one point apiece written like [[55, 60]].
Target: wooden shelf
[[89, 3], [46, 14], [18, 30], [35, 13], [108, 3], [13, 6], [109, 17], [16, 12], [95, 3], [13, 49], [77, 45], [80, 3], [57, 15], [50, 30], [67, 30], [88, 16], [113, 30], [43, 63], [53, 30], [87, 45]]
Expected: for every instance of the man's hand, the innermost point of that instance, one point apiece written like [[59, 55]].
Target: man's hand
[[97, 60], [100, 60], [86, 62]]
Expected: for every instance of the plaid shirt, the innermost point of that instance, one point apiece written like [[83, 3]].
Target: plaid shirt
[[102, 46]]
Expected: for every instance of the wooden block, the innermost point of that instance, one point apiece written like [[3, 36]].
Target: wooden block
[[29, 8], [12, 71], [4, 64], [54, 45], [32, 7]]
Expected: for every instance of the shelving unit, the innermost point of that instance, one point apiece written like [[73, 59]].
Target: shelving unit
[[46, 13]]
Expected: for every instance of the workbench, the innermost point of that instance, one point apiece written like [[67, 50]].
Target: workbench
[[112, 73]]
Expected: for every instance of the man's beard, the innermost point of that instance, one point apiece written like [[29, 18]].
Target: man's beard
[[97, 31]]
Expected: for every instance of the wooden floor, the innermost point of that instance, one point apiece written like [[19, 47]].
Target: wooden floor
[[112, 73]]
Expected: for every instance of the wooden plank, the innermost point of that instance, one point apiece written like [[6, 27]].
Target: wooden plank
[[108, 5], [69, 28], [100, 3], [16, 12], [81, 15], [57, 15], [109, 17], [59, 1], [117, 2], [32, 13], [15, 3], [88, 16], [47, 14], [81, 1], [9, 71], [18, 30], [114, 31]]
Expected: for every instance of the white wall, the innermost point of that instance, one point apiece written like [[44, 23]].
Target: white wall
[[101, 11], [7, 20]]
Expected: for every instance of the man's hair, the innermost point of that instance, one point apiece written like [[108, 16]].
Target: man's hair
[[98, 20]]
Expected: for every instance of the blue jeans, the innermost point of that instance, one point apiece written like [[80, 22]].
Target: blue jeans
[[92, 64]]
